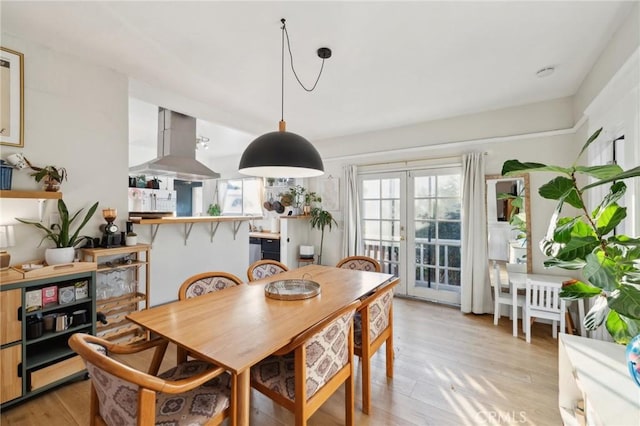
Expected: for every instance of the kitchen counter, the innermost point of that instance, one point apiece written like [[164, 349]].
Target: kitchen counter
[[271, 235], [188, 221]]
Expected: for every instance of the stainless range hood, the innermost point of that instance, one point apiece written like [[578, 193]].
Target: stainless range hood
[[176, 150]]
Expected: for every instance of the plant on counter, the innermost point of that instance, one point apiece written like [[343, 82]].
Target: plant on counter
[[609, 261], [60, 233], [319, 220]]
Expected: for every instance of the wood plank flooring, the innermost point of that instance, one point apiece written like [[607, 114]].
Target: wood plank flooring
[[450, 369]]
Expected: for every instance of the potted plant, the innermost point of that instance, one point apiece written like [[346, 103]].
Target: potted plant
[[131, 239], [60, 234], [309, 198], [214, 209], [297, 195], [587, 242], [51, 176], [319, 220]]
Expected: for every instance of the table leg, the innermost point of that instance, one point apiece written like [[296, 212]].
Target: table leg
[[514, 308], [243, 397]]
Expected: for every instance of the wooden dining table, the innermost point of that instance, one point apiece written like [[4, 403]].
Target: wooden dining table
[[239, 326]]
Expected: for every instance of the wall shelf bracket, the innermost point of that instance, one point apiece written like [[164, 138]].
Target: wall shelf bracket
[[213, 230], [235, 225], [187, 231]]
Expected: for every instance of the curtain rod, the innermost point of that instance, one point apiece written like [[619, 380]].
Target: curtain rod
[[416, 163]]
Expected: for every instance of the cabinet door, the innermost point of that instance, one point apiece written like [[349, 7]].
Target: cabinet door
[[11, 384], [10, 326]]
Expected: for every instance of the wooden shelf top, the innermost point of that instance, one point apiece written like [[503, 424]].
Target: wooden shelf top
[[191, 219], [38, 195], [106, 251]]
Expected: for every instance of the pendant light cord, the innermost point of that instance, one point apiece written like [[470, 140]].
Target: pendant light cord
[[286, 33]]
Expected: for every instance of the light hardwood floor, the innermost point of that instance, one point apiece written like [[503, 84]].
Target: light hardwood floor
[[450, 369]]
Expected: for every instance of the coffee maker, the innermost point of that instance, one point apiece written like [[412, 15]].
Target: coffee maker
[[110, 235]]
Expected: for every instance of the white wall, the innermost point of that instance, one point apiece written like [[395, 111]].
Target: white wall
[[475, 129], [76, 118]]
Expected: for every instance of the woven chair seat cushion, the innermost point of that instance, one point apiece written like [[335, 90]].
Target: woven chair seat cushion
[[118, 398], [266, 270], [208, 285], [359, 265], [378, 319], [327, 352]]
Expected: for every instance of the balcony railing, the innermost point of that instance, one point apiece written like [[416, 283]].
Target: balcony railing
[[434, 261]]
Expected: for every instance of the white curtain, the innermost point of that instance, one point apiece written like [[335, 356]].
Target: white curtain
[[475, 286], [352, 237]]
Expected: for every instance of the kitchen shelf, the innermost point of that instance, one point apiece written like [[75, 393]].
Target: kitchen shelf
[[35, 195], [116, 308], [40, 360], [214, 221]]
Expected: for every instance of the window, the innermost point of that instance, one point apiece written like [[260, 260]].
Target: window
[[240, 197]]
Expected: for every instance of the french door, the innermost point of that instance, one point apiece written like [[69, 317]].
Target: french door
[[411, 225]]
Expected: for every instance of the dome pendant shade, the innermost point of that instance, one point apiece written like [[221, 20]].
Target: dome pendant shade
[[281, 154]]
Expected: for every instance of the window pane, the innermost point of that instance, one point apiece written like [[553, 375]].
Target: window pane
[[449, 231], [425, 186], [390, 209], [390, 188], [425, 209], [371, 189], [371, 229], [448, 208], [251, 199], [449, 186], [390, 229], [454, 278], [425, 229], [371, 209]]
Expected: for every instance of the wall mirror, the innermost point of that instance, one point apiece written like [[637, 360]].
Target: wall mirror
[[509, 219]]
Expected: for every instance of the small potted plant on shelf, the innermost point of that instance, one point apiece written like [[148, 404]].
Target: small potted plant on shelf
[[60, 234], [309, 199], [131, 239], [51, 176], [214, 209], [320, 219]]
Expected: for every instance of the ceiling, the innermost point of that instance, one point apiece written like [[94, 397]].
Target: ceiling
[[394, 63]]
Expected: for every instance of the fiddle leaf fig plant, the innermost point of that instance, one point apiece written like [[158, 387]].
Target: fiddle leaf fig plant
[[609, 261]]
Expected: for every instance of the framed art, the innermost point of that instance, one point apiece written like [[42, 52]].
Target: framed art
[[330, 193], [11, 97]]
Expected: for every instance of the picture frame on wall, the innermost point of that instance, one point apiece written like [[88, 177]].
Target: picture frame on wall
[[330, 193], [11, 97]]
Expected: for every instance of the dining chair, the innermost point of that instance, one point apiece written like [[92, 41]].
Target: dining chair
[[191, 393], [542, 300], [200, 284], [373, 326], [206, 282], [502, 290], [360, 263], [302, 375], [265, 268]]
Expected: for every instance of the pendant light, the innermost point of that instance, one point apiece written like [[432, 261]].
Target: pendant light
[[284, 154]]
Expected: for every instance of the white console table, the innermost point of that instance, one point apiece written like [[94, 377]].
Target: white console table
[[595, 372]]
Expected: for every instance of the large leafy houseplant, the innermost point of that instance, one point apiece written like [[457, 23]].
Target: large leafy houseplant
[[320, 219], [588, 242], [60, 233]]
